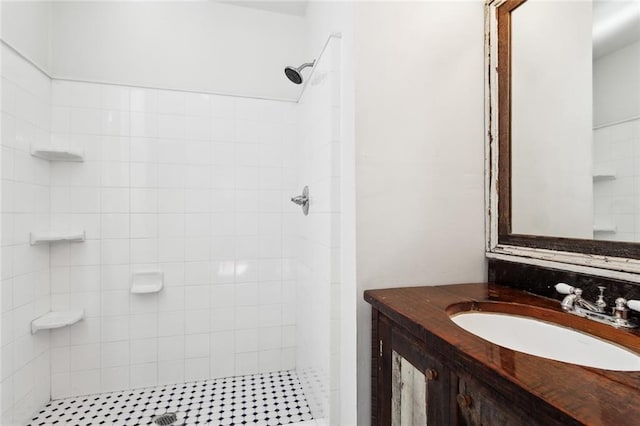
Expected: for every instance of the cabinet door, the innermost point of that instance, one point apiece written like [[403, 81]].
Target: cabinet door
[[412, 387], [479, 406], [408, 393]]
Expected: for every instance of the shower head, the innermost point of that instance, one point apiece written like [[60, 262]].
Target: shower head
[[295, 74]]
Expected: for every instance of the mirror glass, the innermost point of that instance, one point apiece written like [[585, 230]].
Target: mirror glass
[[575, 119]]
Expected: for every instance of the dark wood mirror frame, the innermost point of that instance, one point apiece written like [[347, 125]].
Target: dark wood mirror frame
[[505, 236]]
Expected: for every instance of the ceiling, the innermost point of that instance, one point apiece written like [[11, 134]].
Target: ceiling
[[615, 24]]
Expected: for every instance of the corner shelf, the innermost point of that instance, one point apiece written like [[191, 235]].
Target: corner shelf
[[56, 319], [54, 237], [56, 154], [604, 174], [610, 229]]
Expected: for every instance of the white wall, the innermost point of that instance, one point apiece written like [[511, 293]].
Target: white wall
[[551, 121], [616, 86], [419, 152], [26, 25], [24, 291], [189, 184], [201, 46]]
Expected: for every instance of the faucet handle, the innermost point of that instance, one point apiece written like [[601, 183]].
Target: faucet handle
[[563, 288], [634, 304], [600, 302], [620, 311]]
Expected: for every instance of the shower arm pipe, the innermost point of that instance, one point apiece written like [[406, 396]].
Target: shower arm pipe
[[307, 65], [316, 62]]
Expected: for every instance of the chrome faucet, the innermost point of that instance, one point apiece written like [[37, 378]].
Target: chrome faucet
[[575, 304]]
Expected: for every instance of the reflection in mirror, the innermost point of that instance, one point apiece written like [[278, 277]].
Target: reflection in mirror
[[575, 119], [616, 118]]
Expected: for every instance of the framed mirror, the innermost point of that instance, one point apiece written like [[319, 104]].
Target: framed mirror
[[563, 131]]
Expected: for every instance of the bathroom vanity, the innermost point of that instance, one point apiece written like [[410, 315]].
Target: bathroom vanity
[[427, 370]]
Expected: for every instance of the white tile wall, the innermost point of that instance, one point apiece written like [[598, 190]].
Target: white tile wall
[[24, 292], [186, 183], [617, 200], [313, 243]]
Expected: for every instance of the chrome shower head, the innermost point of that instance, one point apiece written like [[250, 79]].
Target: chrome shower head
[[295, 74]]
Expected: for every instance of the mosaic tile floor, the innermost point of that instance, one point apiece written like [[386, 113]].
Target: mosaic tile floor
[[260, 399]]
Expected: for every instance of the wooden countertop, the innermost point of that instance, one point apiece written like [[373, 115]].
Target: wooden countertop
[[571, 393]]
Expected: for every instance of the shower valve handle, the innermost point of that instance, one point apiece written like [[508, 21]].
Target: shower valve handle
[[303, 200], [300, 200]]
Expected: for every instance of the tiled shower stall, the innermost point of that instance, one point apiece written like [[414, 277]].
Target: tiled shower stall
[[192, 186]]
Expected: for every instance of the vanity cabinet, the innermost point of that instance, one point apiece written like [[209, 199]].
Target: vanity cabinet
[[416, 385]]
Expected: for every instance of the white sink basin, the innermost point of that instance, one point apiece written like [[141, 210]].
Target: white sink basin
[[547, 340]]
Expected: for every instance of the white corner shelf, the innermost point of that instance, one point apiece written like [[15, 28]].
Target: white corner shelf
[[604, 174], [611, 229], [54, 237], [57, 154], [147, 282], [56, 320]]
